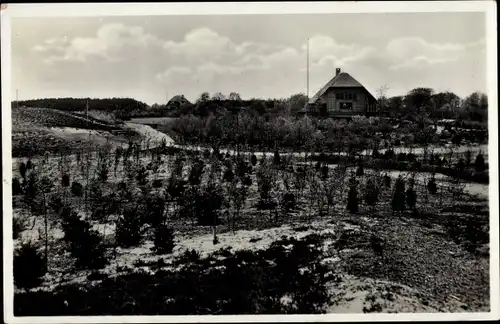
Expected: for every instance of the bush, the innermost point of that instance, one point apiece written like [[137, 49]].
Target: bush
[[371, 193], [65, 180], [228, 174], [22, 170], [352, 198], [324, 172], [157, 183], [29, 267], [17, 227], [129, 231], [84, 244], [398, 199], [253, 159], [387, 181], [276, 158], [360, 170], [479, 163], [154, 210], [431, 186], [163, 240], [16, 187], [142, 176], [77, 189], [411, 198]]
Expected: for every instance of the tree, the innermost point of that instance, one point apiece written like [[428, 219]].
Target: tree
[[431, 185], [204, 97], [381, 98], [84, 243], [234, 96], [445, 103], [129, 227], [419, 100], [16, 187], [29, 267], [297, 102], [371, 193], [398, 199], [411, 197], [218, 96], [163, 240], [475, 107], [479, 163], [352, 198], [396, 105]]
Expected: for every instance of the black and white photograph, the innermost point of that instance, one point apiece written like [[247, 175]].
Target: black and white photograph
[[216, 161]]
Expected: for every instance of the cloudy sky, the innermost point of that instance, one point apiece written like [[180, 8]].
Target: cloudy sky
[[151, 58]]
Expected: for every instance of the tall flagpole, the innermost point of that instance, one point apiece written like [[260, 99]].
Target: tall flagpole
[[308, 70]]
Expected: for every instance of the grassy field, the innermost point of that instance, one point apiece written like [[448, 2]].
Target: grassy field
[[152, 229], [427, 256], [36, 131]]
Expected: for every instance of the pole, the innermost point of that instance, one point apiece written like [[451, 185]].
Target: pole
[[307, 70]]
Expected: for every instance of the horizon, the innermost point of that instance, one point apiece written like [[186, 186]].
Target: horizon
[[152, 58]]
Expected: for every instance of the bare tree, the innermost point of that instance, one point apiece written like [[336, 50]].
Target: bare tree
[[382, 96]]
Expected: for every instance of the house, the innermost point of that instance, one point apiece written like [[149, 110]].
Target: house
[[342, 96]]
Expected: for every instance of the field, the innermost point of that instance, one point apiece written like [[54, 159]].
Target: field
[[158, 228], [36, 131]]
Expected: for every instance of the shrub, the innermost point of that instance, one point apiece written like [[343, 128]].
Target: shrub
[[29, 267], [253, 159], [157, 183], [228, 174], [276, 158], [84, 244], [102, 171], [65, 180], [246, 181], [431, 186], [324, 172], [163, 240], [22, 170], [142, 176], [479, 163], [16, 187], [207, 205], [77, 189], [352, 197], [360, 170], [387, 181], [371, 193], [411, 197], [155, 209], [17, 227], [129, 231], [196, 173], [398, 199]]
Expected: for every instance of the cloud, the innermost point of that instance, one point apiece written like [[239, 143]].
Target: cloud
[[130, 57], [109, 43], [411, 52]]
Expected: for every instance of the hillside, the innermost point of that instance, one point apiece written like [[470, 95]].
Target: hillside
[[36, 131]]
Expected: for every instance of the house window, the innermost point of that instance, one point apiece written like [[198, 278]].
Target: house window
[[346, 105], [354, 97], [340, 95]]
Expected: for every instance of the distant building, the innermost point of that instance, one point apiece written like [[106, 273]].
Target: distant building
[[178, 101], [342, 96]]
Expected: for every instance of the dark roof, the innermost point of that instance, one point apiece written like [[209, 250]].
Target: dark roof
[[178, 99], [342, 80]]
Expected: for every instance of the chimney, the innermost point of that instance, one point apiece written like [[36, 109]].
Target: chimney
[[337, 71]]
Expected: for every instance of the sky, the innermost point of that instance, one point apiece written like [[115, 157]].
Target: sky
[[152, 58]]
